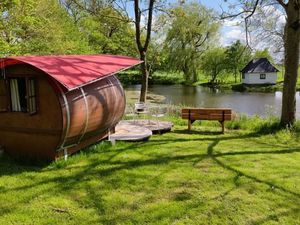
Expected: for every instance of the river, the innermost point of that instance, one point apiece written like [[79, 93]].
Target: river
[[262, 104]]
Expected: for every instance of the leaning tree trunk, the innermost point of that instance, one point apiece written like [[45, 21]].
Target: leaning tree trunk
[[292, 38], [145, 76], [143, 47]]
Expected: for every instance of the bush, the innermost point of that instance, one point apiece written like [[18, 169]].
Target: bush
[[255, 123]]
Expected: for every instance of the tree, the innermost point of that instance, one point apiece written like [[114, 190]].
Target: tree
[[106, 28], [237, 56], [192, 30], [143, 45], [291, 9], [213, 63], [39, 27], [263, 54], [267, 28], [143, 18]]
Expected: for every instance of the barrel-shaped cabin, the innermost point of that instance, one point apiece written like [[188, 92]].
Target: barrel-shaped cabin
[[52, 106]]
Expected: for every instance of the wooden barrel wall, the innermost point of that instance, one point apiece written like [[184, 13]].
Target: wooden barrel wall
[[69, 120], [27, 136], [90, 112]]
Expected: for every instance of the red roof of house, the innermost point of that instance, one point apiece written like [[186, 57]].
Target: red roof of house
[[73, 71]]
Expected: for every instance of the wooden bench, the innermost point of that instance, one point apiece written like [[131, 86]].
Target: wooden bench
[[218, 114]]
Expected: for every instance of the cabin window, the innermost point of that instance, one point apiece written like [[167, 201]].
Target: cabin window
[[262, 76], [243, 76], [22, 94]]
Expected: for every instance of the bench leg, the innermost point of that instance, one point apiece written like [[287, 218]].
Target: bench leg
[[190, 122], [223, 126], [189, 125]]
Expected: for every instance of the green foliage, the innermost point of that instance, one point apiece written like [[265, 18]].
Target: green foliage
[[256, 124], [263, 54], [39, 27], [265, 88], [192, 30], [166, 78], [213, 64], [131, 77], [107, 32], [237, 57], [157, 57]]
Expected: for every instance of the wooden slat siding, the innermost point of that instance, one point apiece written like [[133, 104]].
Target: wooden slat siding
[[30, 130]]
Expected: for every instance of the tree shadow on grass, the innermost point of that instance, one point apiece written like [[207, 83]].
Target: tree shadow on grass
[[118, 165], [214, 157], [200, 132], [101, 168], [10, 166]]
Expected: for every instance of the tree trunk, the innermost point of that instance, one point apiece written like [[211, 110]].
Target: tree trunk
[[235, 76], [187, 74], [213, 77], [195, 75], [145, 75], [292, 38], [143, 47]]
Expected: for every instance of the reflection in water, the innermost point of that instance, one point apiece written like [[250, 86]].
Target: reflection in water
[[262, 104]]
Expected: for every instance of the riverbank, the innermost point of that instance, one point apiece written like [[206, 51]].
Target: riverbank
[[262, 88], [133, 77], [242, 177]]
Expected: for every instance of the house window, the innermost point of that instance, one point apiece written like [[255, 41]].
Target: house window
[[243, 76], [22, 94], [262, 76]]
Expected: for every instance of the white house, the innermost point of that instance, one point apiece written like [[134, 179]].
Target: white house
[[259, 71]]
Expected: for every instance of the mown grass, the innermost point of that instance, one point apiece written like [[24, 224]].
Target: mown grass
[[202, 177]]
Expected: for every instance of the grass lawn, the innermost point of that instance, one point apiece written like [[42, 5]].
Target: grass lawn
[[176, 178]]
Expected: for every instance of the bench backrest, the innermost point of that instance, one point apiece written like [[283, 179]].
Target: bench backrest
[[207, 114]]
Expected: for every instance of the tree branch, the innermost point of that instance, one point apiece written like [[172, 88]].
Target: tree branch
[[95, 12], [149, 25], [137, 15], [281, 2]]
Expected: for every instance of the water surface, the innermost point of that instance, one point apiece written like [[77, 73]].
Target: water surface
[[263, 104]]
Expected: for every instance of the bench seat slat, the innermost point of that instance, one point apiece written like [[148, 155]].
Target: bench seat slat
[[208, 110], [207, 117]]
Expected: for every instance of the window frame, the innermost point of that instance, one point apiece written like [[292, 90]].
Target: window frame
[[27, 97], [5, 95], [262, 76]]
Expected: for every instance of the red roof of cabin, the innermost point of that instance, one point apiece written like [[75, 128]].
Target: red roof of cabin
[[73, 71]]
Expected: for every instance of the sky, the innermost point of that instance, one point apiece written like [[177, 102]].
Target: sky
[[231, 31]]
